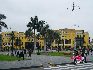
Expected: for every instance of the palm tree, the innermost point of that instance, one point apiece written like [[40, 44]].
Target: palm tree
[[50, 37], [57, 38], [37, 44], [44, 33], [34, 24], [2, 24], [12, 39], [29, 35], [40, 25]]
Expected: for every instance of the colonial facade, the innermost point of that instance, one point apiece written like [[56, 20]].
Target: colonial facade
[[7, 40], [70, 38]]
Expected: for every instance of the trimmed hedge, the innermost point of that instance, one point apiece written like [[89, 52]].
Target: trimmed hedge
[[60, 53]]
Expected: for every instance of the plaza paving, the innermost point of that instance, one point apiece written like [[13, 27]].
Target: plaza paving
[[83, 66], [37, 60]]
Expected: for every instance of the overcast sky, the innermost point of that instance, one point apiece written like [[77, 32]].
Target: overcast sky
[[54, 12]]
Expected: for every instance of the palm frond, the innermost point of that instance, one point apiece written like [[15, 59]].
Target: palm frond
[[2, 16]]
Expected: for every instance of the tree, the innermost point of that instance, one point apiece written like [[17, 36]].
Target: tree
[[63, 43], [57, 38], [44, 33], [12, 39], [29, 33], [50, 37], [2, 24], [18, 42], [34, 25], [37, 45]]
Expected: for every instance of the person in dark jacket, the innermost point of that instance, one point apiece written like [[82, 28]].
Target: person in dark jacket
[[83, 54], [17, 54], [30, 51]]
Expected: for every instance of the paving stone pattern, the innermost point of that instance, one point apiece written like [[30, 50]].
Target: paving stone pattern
[[84, 66]]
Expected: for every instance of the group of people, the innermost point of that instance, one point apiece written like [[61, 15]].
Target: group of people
[[81, 54], [23, 53]]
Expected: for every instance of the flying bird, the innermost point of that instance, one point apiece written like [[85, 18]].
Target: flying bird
[[78, 7], [73, 7]]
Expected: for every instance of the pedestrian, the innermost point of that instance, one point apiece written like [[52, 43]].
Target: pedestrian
[[91, 51], [76, 52], [30, 53], [17, 54], [22, 55], [83, 57], [86, 52], [24, 52]]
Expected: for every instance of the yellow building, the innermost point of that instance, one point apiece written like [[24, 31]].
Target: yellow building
[[86, 39], [41, 42], [70, 36], [7, 41], [69, 39], [79, 38], [82, 38]]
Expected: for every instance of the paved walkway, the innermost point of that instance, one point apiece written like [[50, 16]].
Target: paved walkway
[[36, 61], [83, 66]]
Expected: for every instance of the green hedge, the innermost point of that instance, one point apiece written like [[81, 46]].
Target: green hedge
[[8, 58], [60, 53]]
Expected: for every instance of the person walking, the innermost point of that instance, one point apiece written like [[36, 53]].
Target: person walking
[[17, 54], [83, 55], [22, 55], [86, 52], [30, 51], [91, 51], [24, 52]]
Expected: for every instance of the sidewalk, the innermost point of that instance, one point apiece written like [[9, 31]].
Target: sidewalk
[[37, 61]]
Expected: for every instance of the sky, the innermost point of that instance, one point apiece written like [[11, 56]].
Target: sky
[[54, 12]]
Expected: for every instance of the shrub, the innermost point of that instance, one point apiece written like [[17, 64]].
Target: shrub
[[38, 53], [67, 53]]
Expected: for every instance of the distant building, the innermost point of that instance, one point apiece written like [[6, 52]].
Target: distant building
[[67, 38], [79, 38], [41, 42], [7, 41], [72, 38]]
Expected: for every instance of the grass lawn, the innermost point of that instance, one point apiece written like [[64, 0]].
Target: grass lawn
[[67, 54], [8, 58]]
